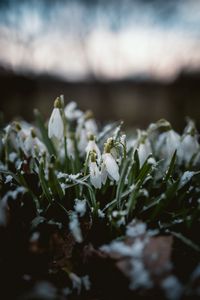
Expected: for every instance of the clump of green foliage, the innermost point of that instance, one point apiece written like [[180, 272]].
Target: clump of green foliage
[[76, 173]]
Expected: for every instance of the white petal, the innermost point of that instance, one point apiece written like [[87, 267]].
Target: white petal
[[41, 146], [28, 144], [189, 147], [104, 173], [167, 143], [83, 141], [71, 111], [56, 127], [91, 126], [111, 166], [144, 150], [95, 175]]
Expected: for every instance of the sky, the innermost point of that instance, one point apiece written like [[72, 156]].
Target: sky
[[108, 40]]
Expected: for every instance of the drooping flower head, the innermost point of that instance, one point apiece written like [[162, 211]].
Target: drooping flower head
[[92, 146], [33, 145], [189, 143], [90, 123], [109, 165], [71, 111], [95, 174], [144, 146], [56, 126], [168, 141], [86, 127]]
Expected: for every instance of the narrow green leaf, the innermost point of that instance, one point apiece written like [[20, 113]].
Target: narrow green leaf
[[171, 167]]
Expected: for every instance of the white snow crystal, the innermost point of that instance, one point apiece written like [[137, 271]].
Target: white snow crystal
[[80, 207], [8, 178], [74, 226], [135, 230], [140, 277], [172, 288]]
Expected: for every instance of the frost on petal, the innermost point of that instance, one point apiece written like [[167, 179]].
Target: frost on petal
[[56, 127], [111, 166], [95, 175]]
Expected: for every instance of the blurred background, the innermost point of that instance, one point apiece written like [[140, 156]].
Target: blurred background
[[134, 60]]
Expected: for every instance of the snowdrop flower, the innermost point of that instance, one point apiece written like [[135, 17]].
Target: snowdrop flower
[[131, 143], [22, 134], [81, 135], [90, 124], [144, 148], [95, 174], [112, 147], [56, 126], [189, 147], [104, 173], [189, 143], [167, 142], [70, 147], [71, 111], [86, 126], [32, 144], [92, 146], [109, 164]]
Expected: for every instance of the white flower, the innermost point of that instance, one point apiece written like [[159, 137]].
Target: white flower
[[91, 126], [82, 140], [70, 148], [104, 173], [71, 111], [86, 126], [144, 150], [111, 166], [95, 175], [189, 147], [31, 144], [22, 134], [167, 143], [92, 146], [56, 127]]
